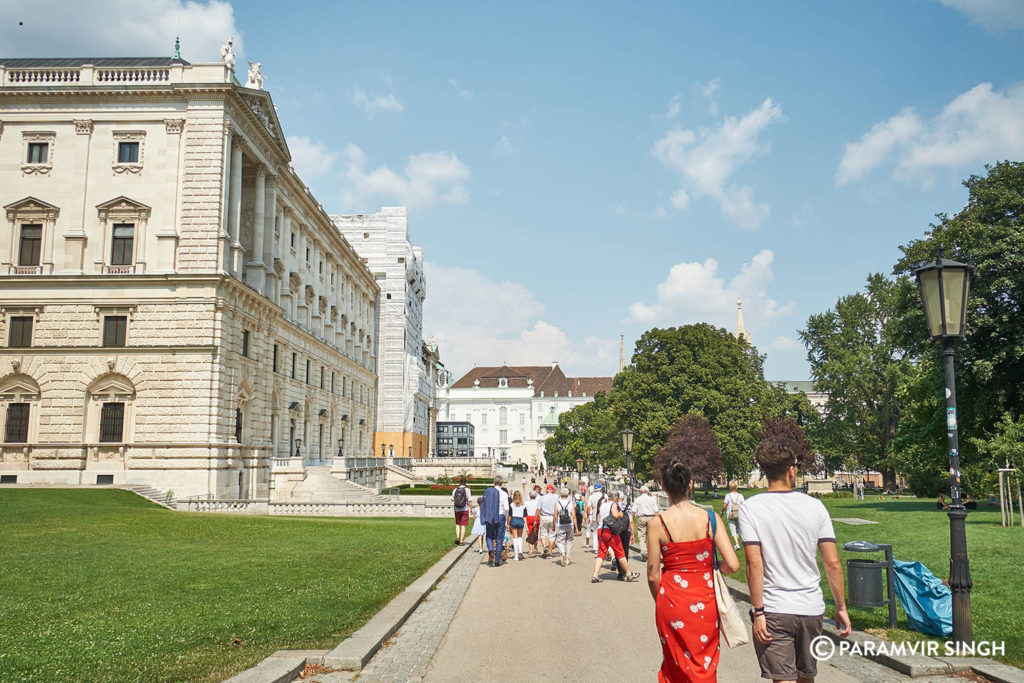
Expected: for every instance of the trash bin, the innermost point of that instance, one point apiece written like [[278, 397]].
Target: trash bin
[[864, 578]]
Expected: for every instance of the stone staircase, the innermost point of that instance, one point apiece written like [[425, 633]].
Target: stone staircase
[[151, 494], [320, 487]]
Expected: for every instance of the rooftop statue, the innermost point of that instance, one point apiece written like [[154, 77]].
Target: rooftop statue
[[227, 54], [256, 77]]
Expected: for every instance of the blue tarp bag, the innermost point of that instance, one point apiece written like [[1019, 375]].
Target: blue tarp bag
[[928, 604]]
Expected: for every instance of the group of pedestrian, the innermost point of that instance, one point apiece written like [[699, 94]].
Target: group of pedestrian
[[782, 532]]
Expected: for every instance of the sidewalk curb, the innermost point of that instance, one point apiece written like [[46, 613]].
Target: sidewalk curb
[[353, 653], [913, 666]]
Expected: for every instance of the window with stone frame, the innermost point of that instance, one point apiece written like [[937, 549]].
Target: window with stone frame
[[109, 409], [245, 343], [122, 251], [129, 148], [32, 224], [124, 227], [39, 152], [238, 425], [16, 425], [19, 334]]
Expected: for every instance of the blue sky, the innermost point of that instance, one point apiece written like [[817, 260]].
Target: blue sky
[[574, 170]]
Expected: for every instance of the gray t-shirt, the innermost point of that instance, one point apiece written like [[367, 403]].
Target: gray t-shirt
[[546, 504], [788, 525]]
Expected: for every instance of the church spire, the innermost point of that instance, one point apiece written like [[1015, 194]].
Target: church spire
[[741, 333], [622, 352]]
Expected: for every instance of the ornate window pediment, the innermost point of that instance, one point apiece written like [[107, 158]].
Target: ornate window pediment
[[112, 386], [19, 388], [123, 207], [124, 223], [32, 223], [31, 208]]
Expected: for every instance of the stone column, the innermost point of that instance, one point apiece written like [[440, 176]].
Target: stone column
[[268, 237], [255, 275], [235, 224]]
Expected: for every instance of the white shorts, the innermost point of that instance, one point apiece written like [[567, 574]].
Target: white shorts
[[546, 532]]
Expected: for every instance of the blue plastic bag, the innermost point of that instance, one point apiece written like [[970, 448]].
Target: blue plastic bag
[[928, 604]]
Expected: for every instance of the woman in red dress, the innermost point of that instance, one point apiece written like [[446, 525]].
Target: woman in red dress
[[679, 574]]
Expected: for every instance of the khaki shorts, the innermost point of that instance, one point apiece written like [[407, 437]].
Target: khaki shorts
[[788, 656]]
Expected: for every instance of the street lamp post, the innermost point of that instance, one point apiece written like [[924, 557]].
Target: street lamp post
[[944, 289], [341, 446], [298, 448], [627, 448]]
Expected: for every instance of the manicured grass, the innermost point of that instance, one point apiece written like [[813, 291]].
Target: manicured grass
[[919, 532], [102, 585]]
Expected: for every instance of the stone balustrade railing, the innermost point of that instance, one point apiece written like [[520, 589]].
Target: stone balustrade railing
[[89, 75]]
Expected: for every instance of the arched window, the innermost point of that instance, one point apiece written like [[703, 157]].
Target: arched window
[[19, 395], [240, 410], [110, 409]]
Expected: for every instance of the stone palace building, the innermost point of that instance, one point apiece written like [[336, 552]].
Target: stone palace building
[[177, 309]]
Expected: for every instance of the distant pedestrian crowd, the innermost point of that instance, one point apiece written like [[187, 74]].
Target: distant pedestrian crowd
[[687, 548]]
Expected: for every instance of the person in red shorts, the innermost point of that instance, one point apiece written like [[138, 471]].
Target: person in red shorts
[[532, 520], [462, 503], [606, 539]]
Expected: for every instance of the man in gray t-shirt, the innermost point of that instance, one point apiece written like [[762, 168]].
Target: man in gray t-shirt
[[783, 531]]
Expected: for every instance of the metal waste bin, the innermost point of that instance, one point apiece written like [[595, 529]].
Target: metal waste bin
[[864, 578]]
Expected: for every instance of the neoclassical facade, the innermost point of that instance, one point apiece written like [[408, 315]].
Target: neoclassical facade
[[513, 410], [176, 308]]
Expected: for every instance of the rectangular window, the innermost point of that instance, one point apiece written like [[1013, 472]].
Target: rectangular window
[[245, 343], [38, 152], [294, 361], [127, 152], [503, 437], [307, 372], [321, 377], [274, 361], [17, 423], [21, 332], [30, 246], [332, 381], [291, 239], [238, 425], [522, 419], [123, 244], [111, 422], [115, 330], [483, 419]]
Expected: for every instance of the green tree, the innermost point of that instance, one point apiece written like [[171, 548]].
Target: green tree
[[988, 233], [700, 370], [587, 431], [859, 356]]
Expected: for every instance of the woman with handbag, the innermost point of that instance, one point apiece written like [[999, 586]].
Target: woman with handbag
[[611, 524], [686, 612], [516, 524]]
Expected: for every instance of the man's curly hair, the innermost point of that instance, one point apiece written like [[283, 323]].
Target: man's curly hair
[[775, 455]]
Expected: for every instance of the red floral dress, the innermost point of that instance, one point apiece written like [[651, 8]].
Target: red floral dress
[[686, 613]]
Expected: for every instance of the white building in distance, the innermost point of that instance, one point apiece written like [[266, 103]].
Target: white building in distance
[[177, 309], [407, 367], [513, 410]]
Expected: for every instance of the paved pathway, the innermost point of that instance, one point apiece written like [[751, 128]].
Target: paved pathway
[[538, 621]]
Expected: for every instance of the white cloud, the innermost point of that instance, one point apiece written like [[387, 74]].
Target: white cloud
[[708, 90], [994, 15], [120, 28], [708, 158], [462, 92], [479, 321], [674, 106], [660, 212], [978, 126], [696, 292], [427, 178], [371, 104], [310, 158], [785, 344], [504, 147]]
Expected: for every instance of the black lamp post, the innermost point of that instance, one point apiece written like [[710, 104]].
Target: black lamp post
[[298, 448], [341, 446], [627, 448], [579, 466], [944, 288]]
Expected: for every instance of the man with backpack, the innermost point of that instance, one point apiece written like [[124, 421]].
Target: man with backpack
[[463, 504], [565, 525]]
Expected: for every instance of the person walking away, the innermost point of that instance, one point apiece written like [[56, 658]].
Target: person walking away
[[627, 534], [565, 526], [679, 575], [546, 508], [590, 512], [463, 504], [783, 531], [532, 522], [516, 524], [608, 540], [644, 510], [577, 508], [731, 510], [860, 489], [479, 530], [494, 511]]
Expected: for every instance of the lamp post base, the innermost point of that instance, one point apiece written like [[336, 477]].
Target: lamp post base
[[960, 576]]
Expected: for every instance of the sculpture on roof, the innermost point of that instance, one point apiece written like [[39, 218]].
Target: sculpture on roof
[[227, 53], [256, 77]]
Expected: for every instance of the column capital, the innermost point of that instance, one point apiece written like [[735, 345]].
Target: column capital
[[83, 126], [261, 171]]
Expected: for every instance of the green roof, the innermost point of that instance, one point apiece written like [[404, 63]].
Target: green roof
[[551, 420], [794, 387]]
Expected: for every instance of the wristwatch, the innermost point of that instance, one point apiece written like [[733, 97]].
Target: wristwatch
[[755, 613]]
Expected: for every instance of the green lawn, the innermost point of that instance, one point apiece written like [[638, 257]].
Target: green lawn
[[919, 532], [102, 585]]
